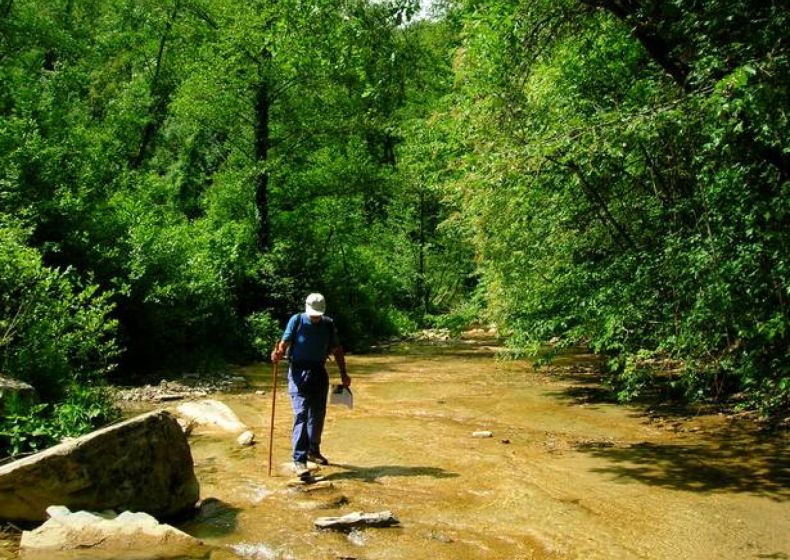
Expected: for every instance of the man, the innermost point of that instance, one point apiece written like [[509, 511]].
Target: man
[[311, 336]]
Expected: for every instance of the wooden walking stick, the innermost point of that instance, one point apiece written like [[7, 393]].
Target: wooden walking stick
[[271, 424]]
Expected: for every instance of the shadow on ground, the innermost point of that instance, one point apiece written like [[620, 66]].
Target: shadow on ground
[[214, 518], [736, 457], [372, 474], [731, 460], [586, 386]]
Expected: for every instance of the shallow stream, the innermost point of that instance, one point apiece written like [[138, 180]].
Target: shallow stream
[[566, 474]]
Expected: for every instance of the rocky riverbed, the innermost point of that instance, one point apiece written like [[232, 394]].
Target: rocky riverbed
[[189, 386]]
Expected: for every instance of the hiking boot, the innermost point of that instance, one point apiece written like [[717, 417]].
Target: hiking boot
[[317, 458], [301, 469]]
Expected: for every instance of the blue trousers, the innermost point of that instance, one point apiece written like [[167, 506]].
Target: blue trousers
[[308, 387]]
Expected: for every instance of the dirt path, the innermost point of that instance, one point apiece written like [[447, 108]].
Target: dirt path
[[564, 475]]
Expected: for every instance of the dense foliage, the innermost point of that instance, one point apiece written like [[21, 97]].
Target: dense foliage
[[57, 334], [626, 177], [175, 176]]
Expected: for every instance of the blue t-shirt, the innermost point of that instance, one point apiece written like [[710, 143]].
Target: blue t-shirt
[[312, 342]]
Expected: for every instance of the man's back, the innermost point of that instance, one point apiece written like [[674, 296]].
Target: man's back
[[310, 342]]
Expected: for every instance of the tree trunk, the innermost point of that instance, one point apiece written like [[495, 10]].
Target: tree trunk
[[646, 31], [159, 99], [421, 288], [5, 8], [262, 144]]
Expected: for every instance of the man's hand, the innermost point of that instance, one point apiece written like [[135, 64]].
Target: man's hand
[[340, 360], [279, 351]]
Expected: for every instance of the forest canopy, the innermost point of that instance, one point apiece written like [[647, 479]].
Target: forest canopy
[[176, 176]]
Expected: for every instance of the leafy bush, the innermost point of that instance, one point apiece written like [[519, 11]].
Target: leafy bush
[[56, 330], [33, 428], [461, 317], [633, 202], [264, 332], [58, 336]]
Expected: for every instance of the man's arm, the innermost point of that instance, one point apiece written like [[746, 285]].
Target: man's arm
[[340, 360], [282, 345]]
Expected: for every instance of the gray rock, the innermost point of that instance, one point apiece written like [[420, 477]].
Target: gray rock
[[169, 397], [9, 384], [357, 519], [142, 464]]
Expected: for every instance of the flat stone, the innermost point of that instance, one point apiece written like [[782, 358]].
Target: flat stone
[[122, 536], [314, 488], [10, 384], [169, 397], [310, 482], [357, 519], [212, 413]]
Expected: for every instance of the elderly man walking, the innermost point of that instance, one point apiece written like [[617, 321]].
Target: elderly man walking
[[311, 337]]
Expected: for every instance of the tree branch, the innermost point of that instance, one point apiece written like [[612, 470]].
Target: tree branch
[[598, 202]]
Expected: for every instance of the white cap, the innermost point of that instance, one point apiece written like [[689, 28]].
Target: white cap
[[315, 304]]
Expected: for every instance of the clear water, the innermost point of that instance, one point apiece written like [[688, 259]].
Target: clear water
[[564, 475]]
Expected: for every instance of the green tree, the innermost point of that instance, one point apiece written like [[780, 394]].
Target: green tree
[[626, 181]]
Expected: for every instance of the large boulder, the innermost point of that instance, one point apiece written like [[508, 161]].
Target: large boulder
[[142, 464], [128, 535]]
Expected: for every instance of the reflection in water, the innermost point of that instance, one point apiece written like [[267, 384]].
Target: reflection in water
[[356, 537]]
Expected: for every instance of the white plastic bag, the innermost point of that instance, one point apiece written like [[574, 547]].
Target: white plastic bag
[[341, 395]]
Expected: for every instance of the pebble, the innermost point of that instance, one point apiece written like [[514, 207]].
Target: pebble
[[190, 386], [439, 537]]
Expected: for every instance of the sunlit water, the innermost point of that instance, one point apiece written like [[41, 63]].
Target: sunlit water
[[565, 474]]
